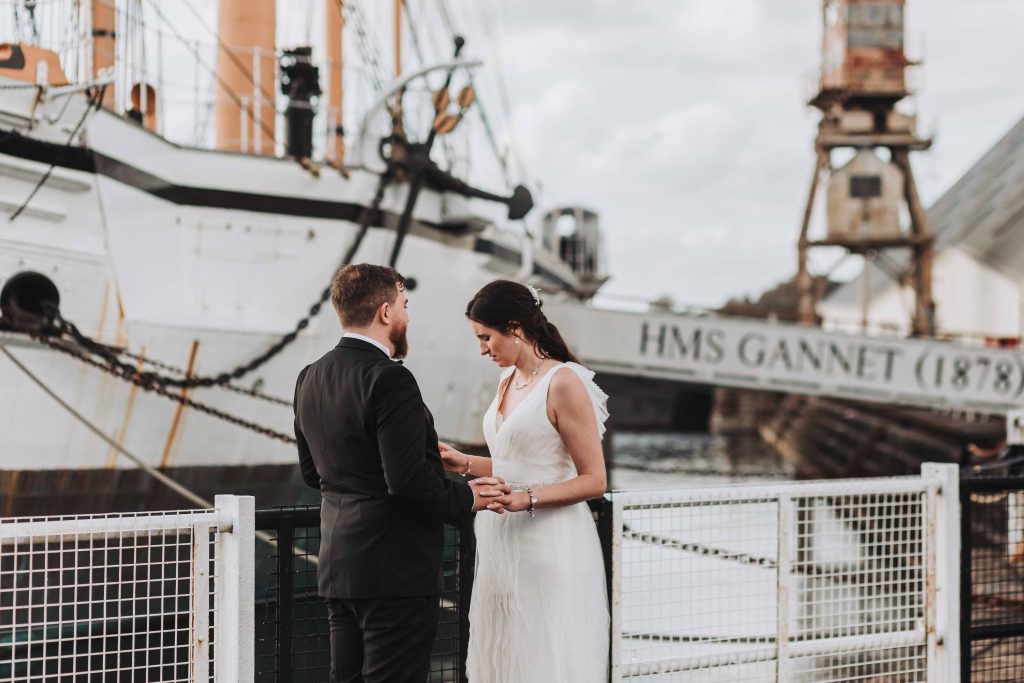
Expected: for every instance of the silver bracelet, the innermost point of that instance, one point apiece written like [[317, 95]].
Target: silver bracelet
[[466, 473], [532, 509]]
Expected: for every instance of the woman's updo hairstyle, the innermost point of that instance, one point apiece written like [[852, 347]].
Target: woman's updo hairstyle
[[504, 305]]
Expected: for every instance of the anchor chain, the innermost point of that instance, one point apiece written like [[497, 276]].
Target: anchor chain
[[149, 379], [136, 378], [89, 350], [251, 393], [52, 324]]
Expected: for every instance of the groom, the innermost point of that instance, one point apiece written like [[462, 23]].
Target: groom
[[367, 442]]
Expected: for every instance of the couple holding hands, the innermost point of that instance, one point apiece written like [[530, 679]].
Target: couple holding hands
[[366, 440]]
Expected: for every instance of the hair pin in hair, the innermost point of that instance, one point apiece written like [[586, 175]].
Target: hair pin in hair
[[535, 293]]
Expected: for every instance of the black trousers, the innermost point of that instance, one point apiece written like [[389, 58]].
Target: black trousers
[[382, 640]]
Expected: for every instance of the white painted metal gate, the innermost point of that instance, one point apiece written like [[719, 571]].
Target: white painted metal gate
[[851, 580], [157, 596]]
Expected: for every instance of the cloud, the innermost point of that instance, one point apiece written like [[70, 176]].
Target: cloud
[[685, 124]]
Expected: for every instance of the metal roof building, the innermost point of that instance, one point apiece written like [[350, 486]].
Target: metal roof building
[[981, 215]]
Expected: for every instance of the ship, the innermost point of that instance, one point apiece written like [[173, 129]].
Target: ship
[[160, 297], [160, 291]]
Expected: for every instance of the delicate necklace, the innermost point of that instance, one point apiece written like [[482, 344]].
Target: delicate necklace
[[533, 376]]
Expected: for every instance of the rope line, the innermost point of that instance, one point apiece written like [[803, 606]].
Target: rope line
[[148, 469], [178, 488], [58, 156]]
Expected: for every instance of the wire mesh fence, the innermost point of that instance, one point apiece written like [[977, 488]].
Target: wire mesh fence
[[992, 583], [292, 642], [793, 582], [125, 597], [805, 582]]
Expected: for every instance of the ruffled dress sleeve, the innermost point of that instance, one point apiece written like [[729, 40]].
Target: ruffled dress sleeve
[[598, 398]]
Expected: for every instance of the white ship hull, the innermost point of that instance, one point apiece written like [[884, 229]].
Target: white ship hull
[[203, 258]]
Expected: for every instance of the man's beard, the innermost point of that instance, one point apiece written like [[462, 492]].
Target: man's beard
[[400, 340]]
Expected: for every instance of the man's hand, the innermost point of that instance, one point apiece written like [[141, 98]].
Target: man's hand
[[486, 490], [454, 460]]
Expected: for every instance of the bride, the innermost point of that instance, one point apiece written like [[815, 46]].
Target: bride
[[539, 611]]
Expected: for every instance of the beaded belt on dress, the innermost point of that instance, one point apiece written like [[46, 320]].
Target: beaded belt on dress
[[522, 487]]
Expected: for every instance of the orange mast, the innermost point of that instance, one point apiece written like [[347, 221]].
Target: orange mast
[[104, 20], [398, 38], [335, 28], [244, 103]]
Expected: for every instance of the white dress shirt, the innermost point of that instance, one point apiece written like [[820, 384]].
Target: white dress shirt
[[363, 337]]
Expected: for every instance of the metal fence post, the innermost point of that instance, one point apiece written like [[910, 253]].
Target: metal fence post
[[784, 582], [966, 581], [613, 564], [199, 651], [285, 596], [605, 533], [466, 567], [235, 594], [943, 535]]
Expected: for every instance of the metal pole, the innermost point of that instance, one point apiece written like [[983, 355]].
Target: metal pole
[[805, 296], [615, 589], [257, 99], [784, 586], [199, 652], [943, 574], [966, 587], [243, 124], [235, 593], [398, 38], [924, 306], [605, 533], [196, 107], [334, 92], [285, 596], [467, 562]]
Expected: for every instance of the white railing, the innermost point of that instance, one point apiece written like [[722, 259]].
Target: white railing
[[809, 581], [162, 596], [852, 580]]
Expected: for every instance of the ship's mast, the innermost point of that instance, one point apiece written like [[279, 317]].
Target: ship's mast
[[862, 79], [398, 38], [104, 20], [244, 102], [335, 28]]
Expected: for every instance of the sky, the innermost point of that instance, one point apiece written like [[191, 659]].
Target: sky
[[684, 124]]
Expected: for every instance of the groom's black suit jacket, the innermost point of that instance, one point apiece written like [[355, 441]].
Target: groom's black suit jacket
[[367, 442]]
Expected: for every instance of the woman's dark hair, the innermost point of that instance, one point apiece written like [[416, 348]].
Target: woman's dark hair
[[504, 305]]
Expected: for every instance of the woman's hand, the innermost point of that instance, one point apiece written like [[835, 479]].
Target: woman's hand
[[516, 501], [454, 461]]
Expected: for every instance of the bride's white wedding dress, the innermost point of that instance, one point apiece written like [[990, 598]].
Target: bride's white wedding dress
[[539, 612]]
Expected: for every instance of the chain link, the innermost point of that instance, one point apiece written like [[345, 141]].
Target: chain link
[[252, 393], [150, 379], [136, 378], [48, 329]]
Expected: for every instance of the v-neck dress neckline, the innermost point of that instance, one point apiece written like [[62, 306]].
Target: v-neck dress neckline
[[499, 423]]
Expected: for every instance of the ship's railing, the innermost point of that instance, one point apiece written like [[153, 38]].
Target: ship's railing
[[992, 574], [140, 596], [810, 581]]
